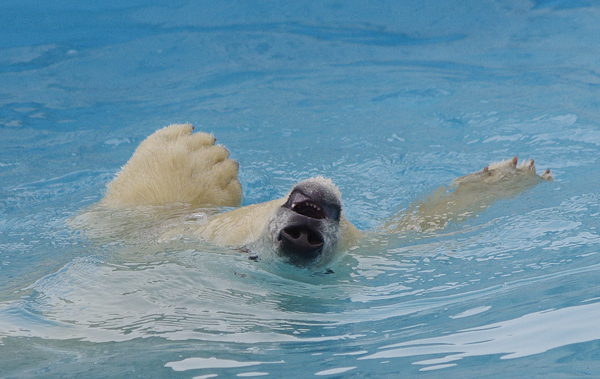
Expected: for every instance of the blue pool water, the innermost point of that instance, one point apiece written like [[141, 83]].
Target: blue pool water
[[390, 100]]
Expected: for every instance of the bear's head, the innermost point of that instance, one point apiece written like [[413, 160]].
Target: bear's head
[[306, 228]]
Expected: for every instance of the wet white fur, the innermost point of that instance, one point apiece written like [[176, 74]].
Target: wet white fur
[[175, 166]]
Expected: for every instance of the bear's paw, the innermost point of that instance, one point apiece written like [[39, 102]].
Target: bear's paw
[[174, 165]]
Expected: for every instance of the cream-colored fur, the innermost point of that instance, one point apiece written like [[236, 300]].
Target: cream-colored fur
[[175, 166], [246, 225], [467, 196]]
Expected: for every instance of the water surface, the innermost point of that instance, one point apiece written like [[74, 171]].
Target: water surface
[[388, 100]]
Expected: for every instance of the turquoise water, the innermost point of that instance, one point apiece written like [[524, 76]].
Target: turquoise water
[[388, 100]]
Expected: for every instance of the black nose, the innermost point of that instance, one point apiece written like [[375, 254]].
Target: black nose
[[301, 242]]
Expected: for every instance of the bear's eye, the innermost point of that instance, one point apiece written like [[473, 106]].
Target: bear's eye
[[310, 209]]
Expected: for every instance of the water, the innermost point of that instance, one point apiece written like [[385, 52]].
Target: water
[[389, 101]]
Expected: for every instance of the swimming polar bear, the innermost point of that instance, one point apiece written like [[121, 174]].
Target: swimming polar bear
[[308, 226]]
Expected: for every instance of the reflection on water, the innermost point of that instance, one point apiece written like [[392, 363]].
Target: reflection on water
[[202, 363], [533, 333]]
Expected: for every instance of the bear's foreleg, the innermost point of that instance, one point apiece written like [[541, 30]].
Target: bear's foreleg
[[468, 196]]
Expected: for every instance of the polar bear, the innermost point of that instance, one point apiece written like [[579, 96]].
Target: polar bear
[[306, 227]]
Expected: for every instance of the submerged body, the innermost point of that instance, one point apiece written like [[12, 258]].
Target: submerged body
[[306, 227]]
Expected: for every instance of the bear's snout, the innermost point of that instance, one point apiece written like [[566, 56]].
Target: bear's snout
[[301, 242], [302, 237]]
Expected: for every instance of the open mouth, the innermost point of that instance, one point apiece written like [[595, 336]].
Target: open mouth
[[313, 205], [310, 209]]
